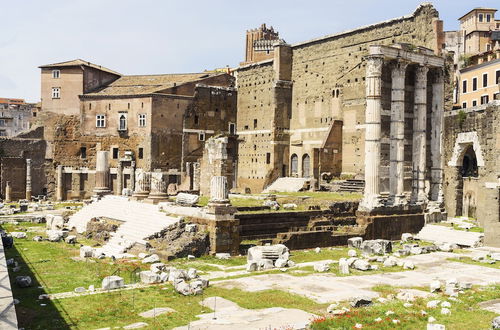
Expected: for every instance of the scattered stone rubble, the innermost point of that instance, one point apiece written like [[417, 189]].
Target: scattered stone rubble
[[268, 257]]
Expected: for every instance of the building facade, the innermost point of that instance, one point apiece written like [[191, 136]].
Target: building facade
[[15, 116], [302, 113]]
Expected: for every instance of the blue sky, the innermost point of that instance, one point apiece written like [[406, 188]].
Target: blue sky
[[148, 37]]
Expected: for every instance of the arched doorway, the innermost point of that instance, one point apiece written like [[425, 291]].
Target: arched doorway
[[294, 165], [306, 166], [469, 163]]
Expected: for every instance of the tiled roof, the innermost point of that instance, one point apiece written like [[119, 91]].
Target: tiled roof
[[147, 84], [79, 62]]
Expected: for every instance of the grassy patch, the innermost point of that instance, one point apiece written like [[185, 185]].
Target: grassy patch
[[465, 313], [301, 256], [468, 260]]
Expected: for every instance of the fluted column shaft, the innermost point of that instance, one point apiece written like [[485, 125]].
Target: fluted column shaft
[[419, 136], [371, 197], [102, 173], [218, 189], [28, 179], [396, 177]]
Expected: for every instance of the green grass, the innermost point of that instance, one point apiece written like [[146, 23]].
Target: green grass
[[300, 256], [53, 267], [468, 260], [456, 227], [465, 313]]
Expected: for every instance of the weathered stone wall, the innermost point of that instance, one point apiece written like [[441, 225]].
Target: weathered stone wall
[[328, 77], [477, 128], [13, 155]]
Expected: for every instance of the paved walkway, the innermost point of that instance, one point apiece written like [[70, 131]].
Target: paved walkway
[[230, 316], [8, 319], [326, 288]]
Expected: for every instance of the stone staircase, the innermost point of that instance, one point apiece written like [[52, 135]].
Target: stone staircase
[[352, 186], [442, 234], [288, 184], [139, 221]]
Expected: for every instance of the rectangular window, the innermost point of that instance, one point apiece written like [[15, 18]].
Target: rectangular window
[[255, 123], [201, 136], [100, 121], [474, 84], [464, 86], [488, 18], [480, 17], [83, 152], [115, 153], [2, 122], [141, 153], [268, 158], [196, 120], [56, 74], [474, 103], [485, 99], [142, 120], [56, 92], [232, 128], [485, 80], [496, 96], [497, 77], [464, 105], [3, 133]]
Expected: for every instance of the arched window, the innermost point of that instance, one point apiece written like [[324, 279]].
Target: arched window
[[123, 123], [294, 161], [306, 166]]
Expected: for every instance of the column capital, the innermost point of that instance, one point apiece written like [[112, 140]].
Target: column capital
[[374, 65], [421, 73], [398, 69]]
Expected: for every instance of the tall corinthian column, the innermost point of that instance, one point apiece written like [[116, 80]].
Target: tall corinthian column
[[436, 136], [371, 198], [419, 136], [396, 174]]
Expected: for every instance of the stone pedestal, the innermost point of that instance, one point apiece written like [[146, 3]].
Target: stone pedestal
[[142, 185], [158, 192], [419, 164], [397, 134], [102, 174], [371, 197], [59, 183], [8, 192], [28, 179]]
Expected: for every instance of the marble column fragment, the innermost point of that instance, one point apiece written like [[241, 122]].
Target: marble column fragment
[[396, 170], [28, 179], [371, 197], [119, 179], [419, 137], [102, 173], [218, 190]]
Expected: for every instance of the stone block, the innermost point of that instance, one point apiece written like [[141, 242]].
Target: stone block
[[149, 277], [355, 242], [24, 281], [112, 282]]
